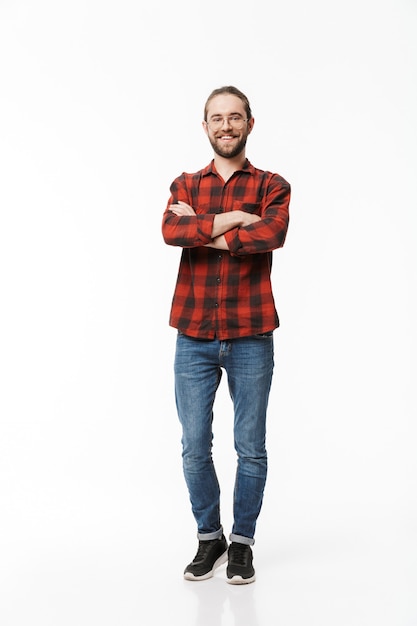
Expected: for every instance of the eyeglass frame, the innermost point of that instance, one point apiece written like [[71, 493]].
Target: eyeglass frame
[[219, 123]]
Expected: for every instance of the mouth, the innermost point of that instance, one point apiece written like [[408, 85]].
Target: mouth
[[226, 138]]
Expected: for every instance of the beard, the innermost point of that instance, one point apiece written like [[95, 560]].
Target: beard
[[228, 152]]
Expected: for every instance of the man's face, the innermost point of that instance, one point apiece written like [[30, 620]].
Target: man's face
[[227, 127]]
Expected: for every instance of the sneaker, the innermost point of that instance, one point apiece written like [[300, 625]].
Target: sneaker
[[210, 555], [240, 569]]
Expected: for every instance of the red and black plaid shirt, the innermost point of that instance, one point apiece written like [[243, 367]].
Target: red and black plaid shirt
[[219, 293]]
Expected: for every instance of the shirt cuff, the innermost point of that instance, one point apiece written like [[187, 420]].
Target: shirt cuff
[[233, 241], [205, 227]]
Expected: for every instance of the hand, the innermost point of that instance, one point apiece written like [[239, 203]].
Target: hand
[[181, 208], [248, 218]]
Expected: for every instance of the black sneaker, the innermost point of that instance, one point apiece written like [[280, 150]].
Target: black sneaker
[[240, 569], [210, 555]]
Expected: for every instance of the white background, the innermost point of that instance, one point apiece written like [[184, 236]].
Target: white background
[[100, 109]]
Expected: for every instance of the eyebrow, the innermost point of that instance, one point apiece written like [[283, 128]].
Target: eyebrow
[[228, 115]]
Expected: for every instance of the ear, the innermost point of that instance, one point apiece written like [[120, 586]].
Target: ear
[[205, 126], [251, 124]]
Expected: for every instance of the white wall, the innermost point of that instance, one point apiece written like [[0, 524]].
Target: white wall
[[101, 104]]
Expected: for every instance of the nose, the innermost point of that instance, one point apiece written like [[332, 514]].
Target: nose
[[227, 122]]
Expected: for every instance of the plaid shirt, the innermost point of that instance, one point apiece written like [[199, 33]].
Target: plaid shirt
[[219, 293]]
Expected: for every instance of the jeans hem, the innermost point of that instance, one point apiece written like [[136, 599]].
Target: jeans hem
[[218, 534], [248, 541]]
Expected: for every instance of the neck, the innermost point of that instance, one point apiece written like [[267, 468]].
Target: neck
[[227, 167]]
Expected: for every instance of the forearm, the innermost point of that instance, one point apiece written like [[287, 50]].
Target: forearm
[[270, 232], [218, 243], [226, 221], [223, 223], [187, 231]]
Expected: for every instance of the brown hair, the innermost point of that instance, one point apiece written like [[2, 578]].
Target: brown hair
[[234, 92]]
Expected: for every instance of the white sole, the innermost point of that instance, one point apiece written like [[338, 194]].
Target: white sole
[[238, 580]]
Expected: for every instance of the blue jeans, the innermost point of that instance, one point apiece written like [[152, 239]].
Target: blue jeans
[[249, 364]]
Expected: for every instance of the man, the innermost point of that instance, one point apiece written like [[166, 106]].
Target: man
[[228, 218]]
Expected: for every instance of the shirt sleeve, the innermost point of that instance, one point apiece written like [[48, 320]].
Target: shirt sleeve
[[270, 231], [187, 231]]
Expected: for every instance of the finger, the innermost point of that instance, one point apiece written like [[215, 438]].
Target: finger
[[185, 205]]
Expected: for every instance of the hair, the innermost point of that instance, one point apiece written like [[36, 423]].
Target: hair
[[234, 92]]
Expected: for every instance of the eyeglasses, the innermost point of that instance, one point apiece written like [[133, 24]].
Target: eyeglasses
[[235, 121]]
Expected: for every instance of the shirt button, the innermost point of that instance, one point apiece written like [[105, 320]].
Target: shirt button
[[218, 281], [220, 256], [216, 305]]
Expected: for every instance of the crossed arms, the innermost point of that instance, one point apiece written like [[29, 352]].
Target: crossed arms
[[221, 224]]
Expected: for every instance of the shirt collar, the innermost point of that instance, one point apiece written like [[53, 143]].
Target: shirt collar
[[211, 168]]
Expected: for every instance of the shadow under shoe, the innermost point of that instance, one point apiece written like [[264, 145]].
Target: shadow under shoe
[[210, 555], [240, 570]]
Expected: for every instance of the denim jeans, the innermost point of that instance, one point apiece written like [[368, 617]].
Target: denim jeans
[[248, 363]]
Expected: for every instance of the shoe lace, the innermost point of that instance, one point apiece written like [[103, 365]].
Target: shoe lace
[[203, 548], [240, 553]]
